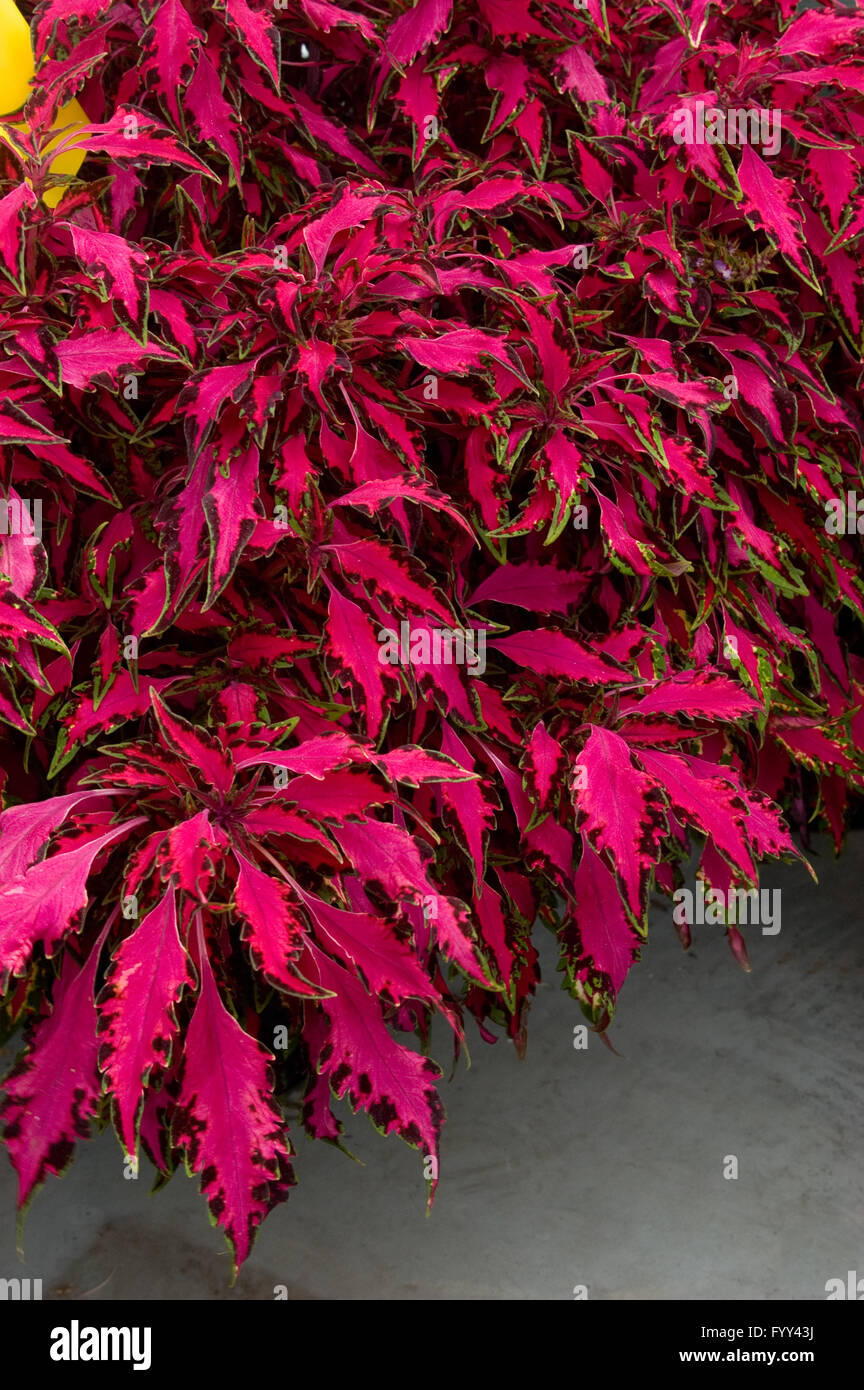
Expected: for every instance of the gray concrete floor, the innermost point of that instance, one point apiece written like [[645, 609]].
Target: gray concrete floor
[[568, 1168]]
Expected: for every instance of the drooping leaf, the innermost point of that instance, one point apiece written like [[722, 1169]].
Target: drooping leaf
[[137, 1021], [227, 1122], [53, 1091], [621, 813]]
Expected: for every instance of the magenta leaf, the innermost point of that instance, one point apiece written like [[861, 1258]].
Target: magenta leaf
[[355, 656], [54, 1089], [26, 830], [536, 587], [395, 1085], [419, 26], [120, 269], [768, 201], [704, 694], [137, 1022], [385, 855], [376, 493], [621, 814], [48, 900], [174, 42], [709, 803], [101, 357], [12, 224], [545, 764], [274, 929], [551, 652], [388, 966], [133, 135], [226, 1121], [254, 29], [600, 943], [195, 746]]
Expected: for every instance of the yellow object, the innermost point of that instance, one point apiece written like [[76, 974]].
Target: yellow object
[[16, 69]]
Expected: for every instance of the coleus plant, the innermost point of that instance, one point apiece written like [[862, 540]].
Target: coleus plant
[[322, 324]]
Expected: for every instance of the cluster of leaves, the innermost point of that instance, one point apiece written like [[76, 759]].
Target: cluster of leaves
[[403, 313]]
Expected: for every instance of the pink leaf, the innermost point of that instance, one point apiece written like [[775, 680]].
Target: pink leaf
[[148, 974], [275, 931], [620, 813], [12, 223], [257, 34], [350, 210], [227, 1119], [341, 795], [549, 652], [203, 397], [55, 1087], [577, 71], [543, 588], [769, 201], [414, 30], [388, 856], [132, 134], [377, 493], [389, 572], [458, 350], [704, 693], [709, 803], [314, 757], [25, 830], [391, 1082], [233, 511], [16, 427], [121, 269], [48, 901], [213, 117], [326, 16], [544, 764], [98, 357], [173, 40], [201, 750], [467, 805], [388, 965], [417, 766], [601, 939], [355, 653]]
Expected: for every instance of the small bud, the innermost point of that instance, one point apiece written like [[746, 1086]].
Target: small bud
[[738, 947]]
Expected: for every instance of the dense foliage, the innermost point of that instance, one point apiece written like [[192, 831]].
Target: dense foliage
[[357, 325]]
